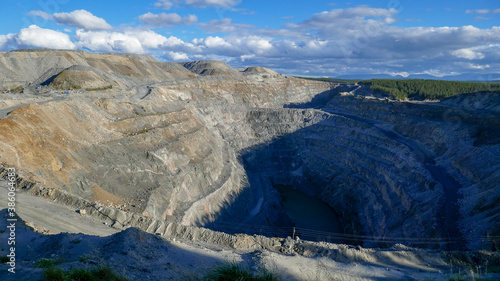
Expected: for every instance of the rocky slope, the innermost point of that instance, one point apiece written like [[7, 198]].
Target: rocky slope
[[202, 144], [40, 67]]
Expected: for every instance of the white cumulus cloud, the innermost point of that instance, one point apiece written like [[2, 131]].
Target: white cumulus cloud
[[81, 19], [469, 54], [36, 37], [164, 4], [340, 41], [164, 19], [5, 41], [131, 41], [42, 14], [215, 42], [105, 41], [178, 56]]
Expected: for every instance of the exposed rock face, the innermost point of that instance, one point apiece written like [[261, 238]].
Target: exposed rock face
[[456, 159], [202, 144], [162, 159], [375, 184]]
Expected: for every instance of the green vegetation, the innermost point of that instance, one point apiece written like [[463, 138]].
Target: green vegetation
[[62, 86], [428, 89], [81, 275], [54, 274], [231, 272], [85, 258], [99, 89], [101, 273], [17, 90], [107, 274], [4, 259], [48, 263]]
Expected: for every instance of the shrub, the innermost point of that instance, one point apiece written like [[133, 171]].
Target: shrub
[[4, 259], [47, 263], [54, 274], [82, 275], [106, 273], [232, 272], [101, 273], [84, 258]]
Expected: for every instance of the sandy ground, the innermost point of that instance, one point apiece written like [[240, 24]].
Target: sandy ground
[[51, 216]]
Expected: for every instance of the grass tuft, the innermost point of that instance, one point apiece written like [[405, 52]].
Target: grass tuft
[[81, 275], [54, 274], [234, 272], [4, 259], [101, 273], [47, 263], [106, 273]]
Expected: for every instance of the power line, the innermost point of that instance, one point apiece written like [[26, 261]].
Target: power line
[[268, 230]]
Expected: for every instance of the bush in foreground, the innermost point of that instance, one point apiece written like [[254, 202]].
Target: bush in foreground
[[54, 274], [101, 273], [234, 272]]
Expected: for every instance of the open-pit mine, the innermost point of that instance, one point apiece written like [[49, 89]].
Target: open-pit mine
[[244, 158]]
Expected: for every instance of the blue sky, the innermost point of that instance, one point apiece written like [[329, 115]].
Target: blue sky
[[317, 38]]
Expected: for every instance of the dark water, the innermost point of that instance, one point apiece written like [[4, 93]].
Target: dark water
[[314, 219]]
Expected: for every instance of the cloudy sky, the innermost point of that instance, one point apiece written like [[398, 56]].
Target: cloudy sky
[[313, 37]]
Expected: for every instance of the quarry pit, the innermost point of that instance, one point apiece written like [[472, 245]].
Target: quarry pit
[[203, 145]]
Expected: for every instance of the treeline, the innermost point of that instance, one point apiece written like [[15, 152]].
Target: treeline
[[421, 89], [333, 80]]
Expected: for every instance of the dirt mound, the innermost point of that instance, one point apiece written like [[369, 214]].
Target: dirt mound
[[211, 68], [260, 70], [199, 66], [79, 79]]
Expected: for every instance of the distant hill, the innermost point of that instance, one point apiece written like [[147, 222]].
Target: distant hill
[[368, 76], [461, 77]]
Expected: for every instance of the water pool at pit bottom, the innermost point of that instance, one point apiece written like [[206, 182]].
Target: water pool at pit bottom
[[314, 219]]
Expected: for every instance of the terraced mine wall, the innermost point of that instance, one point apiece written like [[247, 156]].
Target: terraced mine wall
[[204, 145], [457, 145], [347, 164], [387, 169]]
